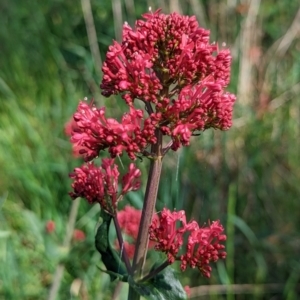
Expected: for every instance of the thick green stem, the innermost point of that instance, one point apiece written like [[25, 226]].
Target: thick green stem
[[147, 213]]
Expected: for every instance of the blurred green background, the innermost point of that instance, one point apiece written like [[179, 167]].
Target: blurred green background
[[50, 57]]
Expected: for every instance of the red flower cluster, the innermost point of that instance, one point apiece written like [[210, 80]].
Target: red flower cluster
[[78, 235], [50, 226], [203, 244], [161, 51], [100, 184], [129, 220], [197, 108], [167, 62], [95, 132]]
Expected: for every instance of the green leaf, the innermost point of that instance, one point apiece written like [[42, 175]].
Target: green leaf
[[110, 257], [163, 286]]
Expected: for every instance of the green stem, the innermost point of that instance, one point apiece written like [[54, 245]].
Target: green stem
[[147, 213]]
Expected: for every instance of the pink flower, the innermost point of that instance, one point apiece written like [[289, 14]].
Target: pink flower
[[100, 184], [71, 126], [161, 51], [95, 132], [167, 60], [197, 108], [78, 235], [129, 220], [204, 247], [131, 73], [187, 290], [203, 244], [131, 181], [164, 232], [50, 226]]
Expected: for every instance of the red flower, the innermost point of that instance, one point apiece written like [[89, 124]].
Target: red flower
[[78, 235], [204, 247], [100, 184], [71, 126], [161, 51], [187, 290], [164, 231], [131, 180], [50, 226], [129, 220], [95, 132], [203, 244], [167, 60]]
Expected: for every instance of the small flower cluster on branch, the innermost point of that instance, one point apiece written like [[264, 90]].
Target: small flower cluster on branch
[[95, 132], [203, 243], [100, 184]]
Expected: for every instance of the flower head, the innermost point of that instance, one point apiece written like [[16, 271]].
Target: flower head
[[165, 233], [100, 184], [129, 220], [78, 235], [94, 132], [168, 61], [50, 226], [203, 244]]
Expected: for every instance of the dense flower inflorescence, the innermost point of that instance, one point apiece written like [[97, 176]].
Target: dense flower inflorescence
[[197, 108], [95, 132], [203, 244], [161, 51], [168, 63], [100, 184]]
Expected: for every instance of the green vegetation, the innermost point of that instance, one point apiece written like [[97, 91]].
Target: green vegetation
[[248, 177]]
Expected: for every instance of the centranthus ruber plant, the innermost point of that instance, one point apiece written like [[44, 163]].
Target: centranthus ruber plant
[[167, 64]]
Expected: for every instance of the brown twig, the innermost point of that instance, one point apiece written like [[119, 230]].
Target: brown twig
[[198, 10], [284, 97], [174, 6], [289, 36]]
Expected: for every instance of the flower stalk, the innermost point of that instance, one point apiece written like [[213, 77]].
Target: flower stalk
[[147, 212], [121, 243]]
